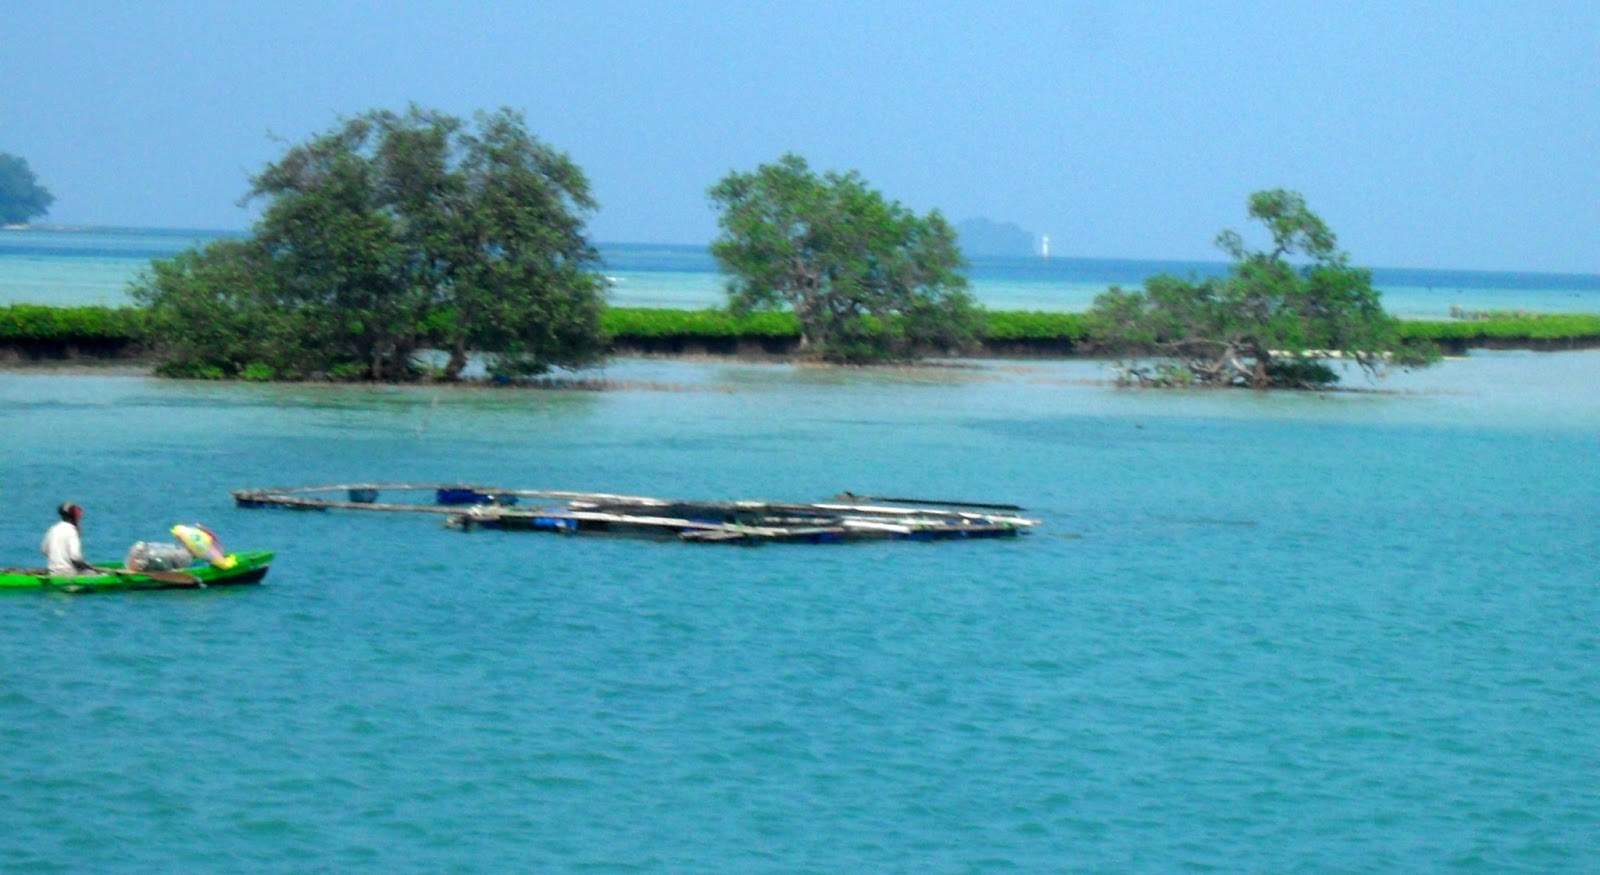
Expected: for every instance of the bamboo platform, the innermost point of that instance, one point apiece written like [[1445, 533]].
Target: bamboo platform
[[849, 517]]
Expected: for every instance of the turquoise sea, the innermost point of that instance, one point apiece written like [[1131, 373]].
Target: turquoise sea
[[94, 266], [1348, 632]]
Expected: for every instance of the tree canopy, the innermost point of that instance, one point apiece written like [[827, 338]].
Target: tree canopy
[[390, 234], [867, 278], [22, 198], [1270, 322]]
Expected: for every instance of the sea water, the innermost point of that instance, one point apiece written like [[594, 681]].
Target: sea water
[[1347, 632], [1255, 632], [95, 266]]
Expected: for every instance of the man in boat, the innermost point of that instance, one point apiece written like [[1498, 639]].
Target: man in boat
[[63, 546]]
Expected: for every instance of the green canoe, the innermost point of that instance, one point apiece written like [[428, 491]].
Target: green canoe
[[250, 568]]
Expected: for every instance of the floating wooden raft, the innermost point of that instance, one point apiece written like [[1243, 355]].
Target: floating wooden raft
[[848, 518]]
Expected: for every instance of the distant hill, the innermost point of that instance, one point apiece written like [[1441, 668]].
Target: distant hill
[[987, 237]]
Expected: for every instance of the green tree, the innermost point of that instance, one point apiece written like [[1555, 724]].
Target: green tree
[[22, 198], [210, 311], [1269, 323], [392, 234], [867, 279]]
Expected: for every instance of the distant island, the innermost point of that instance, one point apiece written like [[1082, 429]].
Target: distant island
[[988, 237]]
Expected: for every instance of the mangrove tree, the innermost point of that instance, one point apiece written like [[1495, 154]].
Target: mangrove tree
[[1283, 316], [867, 278], [388, 235]]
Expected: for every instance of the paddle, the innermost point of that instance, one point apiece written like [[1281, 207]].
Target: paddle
[[176, 578]]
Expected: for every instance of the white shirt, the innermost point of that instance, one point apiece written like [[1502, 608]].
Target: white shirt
[[62, 547]]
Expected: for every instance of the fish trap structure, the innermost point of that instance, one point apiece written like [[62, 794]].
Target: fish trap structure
[[848, 517]]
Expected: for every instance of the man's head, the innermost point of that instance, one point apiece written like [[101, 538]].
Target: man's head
[[70, 512]]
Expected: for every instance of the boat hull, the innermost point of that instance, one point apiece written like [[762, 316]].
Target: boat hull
[[250, 568]]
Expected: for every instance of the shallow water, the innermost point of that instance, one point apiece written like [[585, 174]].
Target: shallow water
[[1257, 632]]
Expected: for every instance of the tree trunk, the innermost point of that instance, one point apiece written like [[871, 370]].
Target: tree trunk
[[458, 361]]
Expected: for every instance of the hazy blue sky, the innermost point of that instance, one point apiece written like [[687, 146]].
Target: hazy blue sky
[[1456, 134]]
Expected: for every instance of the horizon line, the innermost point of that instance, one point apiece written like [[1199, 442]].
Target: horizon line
[[64, 227]]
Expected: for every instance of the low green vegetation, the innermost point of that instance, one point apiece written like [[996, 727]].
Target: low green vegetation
[[123, 328], [1034, 325], [642, 324], [37, 323], [1507, 327]]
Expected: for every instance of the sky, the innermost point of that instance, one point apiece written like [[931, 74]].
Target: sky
[[1452, 135]]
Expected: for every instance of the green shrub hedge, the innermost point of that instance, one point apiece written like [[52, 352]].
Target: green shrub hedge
[[624, 323], [1035, 325], [1507, 327], [35, 323], [38, 323]]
